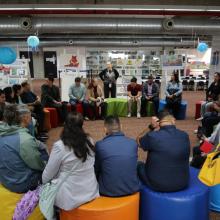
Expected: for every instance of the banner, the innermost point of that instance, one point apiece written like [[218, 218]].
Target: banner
[[172, 62], [50, 64]]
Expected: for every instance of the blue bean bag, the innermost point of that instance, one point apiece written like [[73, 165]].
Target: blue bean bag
[[189, 204], [182, 112], [215, 198]]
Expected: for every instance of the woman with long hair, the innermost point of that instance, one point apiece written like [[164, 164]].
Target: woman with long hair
[[95, 97], [173, 93], [72, 154]]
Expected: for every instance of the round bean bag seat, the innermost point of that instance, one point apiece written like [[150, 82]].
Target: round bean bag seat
[[198, 109], [106, 208], [181, 115], [8, 201], [117, 106], [53, 117], [215, 198], [189, 204]]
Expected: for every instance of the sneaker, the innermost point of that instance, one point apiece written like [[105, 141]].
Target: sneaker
[[86, 118], [138, 115], [129, 115], [195, 131]]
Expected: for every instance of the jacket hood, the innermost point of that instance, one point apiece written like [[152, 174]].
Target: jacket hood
[[6, 130]]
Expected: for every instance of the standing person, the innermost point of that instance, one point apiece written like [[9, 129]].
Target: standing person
[[22, 158], [173, 94], [77, 94], [73, 153], [33, 102], [116, 161], [134, 95], [167, 165], [150, 93], [109, 77], [96, 98], [50, 97]]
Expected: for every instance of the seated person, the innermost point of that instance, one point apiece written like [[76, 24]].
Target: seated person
[[22, 158], [96, 98], [73, 153], [2, 97], [33, 102], [173, 94], [199, 156], [150, 93], [167, 165], [17, 89], [211, 94], [116, 161], [2, 108], [134, 95], [50, 97], [9, 95], [211, 118], [77, 94]]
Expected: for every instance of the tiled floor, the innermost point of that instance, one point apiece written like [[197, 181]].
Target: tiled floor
[[133, 126]]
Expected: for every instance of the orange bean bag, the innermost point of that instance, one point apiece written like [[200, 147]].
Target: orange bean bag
[[106, 208], [53, 117], [8, 201], [47, 125]]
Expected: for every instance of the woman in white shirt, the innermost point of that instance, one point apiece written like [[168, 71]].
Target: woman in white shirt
[[73, 152]]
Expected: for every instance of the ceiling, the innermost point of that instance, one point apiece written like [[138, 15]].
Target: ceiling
[[135, 23]]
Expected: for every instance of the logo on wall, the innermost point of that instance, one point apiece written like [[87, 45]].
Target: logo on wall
[[73, 62]]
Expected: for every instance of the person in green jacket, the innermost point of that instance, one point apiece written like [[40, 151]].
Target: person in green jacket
[[22, 157]]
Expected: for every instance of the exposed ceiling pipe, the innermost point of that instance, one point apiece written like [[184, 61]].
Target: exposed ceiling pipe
[[106, 43], [68, 25]]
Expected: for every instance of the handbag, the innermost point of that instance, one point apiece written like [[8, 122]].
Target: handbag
[[48, 194], [26, 205], [209, 174]]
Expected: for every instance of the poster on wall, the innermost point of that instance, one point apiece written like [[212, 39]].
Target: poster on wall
[[28, 55], [172, 62], [50, 63]]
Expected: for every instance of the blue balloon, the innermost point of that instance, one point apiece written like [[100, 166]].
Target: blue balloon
[[7, 55], [202, 47], [33, 41]]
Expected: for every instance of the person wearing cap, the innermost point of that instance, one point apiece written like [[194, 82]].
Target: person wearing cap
[[167, 165], [150, 93], [23, 158], [134, 96], [109, 77]]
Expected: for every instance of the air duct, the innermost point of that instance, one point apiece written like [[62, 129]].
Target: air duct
[[94, 25]]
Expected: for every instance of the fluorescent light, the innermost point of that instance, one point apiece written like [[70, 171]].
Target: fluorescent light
[[14, 9], [183, 9], [99, 8], [55, 8], [214, 10]]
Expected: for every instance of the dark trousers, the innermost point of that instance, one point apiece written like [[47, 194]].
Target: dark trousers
[[208, 123], [39, 114], [144, 102], [85, 105], [94, 109], [173, 106], [111, 90], [198, 160]]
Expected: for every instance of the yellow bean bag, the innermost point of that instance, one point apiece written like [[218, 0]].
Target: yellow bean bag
[[106, 208], [8, 201]]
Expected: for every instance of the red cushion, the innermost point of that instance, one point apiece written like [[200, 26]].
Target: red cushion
[[53, 117], [198, 109], [79, 108]]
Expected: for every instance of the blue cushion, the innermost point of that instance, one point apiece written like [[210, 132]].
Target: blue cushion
[[182, 113], [189, 204], [215, 198]]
